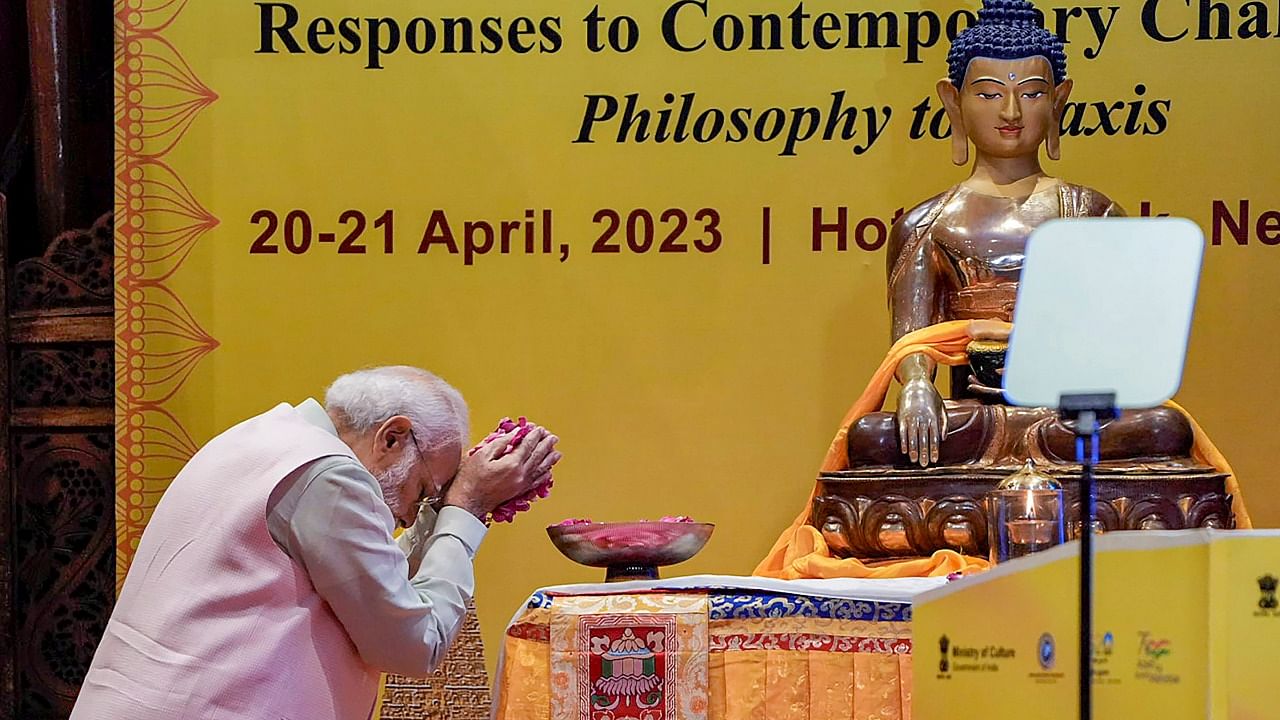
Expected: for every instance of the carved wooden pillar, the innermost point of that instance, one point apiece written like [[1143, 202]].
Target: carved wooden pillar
[[57, 524], [50, 81], [70, 70]]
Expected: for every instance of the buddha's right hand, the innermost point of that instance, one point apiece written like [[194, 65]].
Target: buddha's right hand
[[922, 421]]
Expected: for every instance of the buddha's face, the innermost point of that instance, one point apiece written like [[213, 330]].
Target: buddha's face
[[1008, 107]]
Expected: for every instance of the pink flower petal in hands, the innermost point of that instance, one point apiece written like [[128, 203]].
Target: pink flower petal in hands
[[507, 511]]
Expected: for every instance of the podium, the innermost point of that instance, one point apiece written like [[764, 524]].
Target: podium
[[1186, 625]]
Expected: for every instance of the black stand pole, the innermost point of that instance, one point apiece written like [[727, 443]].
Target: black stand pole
[[1085, 412]]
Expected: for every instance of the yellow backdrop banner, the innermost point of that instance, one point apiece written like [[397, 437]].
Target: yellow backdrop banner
[[656, 228]]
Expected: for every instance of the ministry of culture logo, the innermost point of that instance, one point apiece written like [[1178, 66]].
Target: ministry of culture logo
[[1046, 652], [1108, 643], [1267, 584], [944, 644]]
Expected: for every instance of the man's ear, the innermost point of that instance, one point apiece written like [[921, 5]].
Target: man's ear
[[392, 434], [950, 98]]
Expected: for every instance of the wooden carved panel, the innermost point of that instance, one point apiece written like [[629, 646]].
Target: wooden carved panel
[[8, 666], [60, 383], [457, 690], [75, 272], [63, 376], [64, 564]]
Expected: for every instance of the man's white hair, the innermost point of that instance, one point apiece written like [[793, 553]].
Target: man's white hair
[[366, 398]]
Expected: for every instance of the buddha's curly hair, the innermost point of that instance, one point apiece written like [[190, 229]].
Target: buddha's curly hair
[[1006, 30]]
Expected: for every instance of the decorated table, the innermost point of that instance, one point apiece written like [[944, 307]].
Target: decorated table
[[711, 647]]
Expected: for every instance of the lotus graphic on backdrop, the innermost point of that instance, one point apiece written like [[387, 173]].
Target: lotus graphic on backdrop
[[1267, 585]]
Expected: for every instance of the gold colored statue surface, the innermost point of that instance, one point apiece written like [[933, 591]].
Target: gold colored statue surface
[[953, 266]]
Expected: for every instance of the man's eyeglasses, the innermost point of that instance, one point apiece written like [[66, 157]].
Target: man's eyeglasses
[[432, 500]]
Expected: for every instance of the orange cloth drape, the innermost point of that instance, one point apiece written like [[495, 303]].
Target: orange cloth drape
[[800, 552], [1206, 452]]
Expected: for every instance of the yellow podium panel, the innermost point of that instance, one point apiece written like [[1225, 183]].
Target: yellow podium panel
[[1186, 625]]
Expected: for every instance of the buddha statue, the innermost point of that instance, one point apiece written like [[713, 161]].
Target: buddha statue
[[958, 256], [900, 492]]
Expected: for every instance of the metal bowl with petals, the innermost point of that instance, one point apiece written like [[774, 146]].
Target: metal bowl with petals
[[630, 550]]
